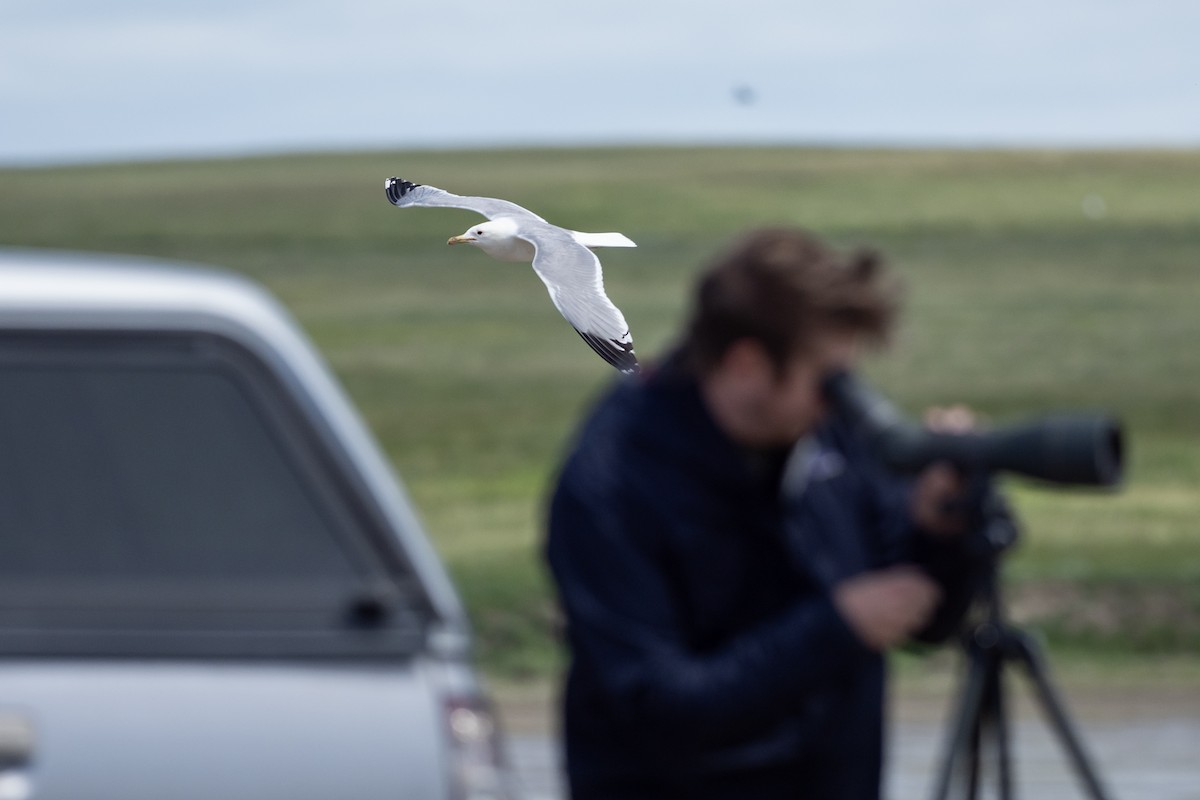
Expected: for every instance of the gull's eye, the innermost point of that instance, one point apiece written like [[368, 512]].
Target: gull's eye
[[479, 233]]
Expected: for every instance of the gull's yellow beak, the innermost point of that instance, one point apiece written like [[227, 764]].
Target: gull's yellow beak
[[464, 239]]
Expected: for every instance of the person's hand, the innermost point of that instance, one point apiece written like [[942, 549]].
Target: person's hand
[[949, 419], [938, 501], [940, 489], [885, 607]]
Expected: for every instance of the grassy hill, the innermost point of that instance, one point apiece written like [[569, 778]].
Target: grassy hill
[[1036, 281]]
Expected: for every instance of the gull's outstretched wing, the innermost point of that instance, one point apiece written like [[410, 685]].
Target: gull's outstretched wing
[[572, 275], [404, 193]]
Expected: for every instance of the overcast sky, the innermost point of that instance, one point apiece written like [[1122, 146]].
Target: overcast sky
[[83, 80]]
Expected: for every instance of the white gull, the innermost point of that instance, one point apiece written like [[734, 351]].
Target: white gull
[[560, 257]]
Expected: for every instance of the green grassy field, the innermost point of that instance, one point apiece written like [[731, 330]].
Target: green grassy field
[[1036, 281]]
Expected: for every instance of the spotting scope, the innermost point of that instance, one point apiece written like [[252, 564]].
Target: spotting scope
[[1073, 448]]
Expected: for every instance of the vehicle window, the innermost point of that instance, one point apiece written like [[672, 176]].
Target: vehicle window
[[145, 480]]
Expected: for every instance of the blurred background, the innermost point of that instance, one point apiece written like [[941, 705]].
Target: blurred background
[[1031, 169]]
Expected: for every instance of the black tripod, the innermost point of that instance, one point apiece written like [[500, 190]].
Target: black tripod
[[981, 718]]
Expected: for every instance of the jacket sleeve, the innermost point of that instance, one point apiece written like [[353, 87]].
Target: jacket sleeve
[[624, 623]]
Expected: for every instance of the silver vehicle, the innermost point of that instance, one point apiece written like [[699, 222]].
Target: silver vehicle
[[211, 584]]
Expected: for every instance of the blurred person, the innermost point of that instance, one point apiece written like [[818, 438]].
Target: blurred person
[[732, 562]]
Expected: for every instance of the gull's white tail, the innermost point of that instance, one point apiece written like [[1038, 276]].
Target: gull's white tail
[[603, 239]]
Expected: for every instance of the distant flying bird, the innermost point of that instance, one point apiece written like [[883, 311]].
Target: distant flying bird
[[560, 257], [744, 94]]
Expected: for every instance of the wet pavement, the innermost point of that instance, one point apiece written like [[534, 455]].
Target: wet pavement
[[1141, 761], [1158, 760], [1144, 743]]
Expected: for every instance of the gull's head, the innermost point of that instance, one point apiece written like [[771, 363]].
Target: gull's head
[[498, 238], [483, 234]]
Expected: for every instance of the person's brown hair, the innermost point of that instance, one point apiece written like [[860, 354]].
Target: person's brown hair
[[782, 287]]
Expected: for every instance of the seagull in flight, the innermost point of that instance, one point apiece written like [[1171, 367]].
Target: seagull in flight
[[561, 258]]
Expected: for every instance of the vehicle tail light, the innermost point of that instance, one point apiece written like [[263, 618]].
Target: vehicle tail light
[[478, 768]]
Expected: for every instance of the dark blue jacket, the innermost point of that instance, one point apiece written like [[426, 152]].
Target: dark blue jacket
[[707, 659]]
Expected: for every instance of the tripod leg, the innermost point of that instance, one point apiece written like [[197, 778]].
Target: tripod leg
[[993, 732], [1000, 731], [984, 739], [963, 741], [1026, 651]]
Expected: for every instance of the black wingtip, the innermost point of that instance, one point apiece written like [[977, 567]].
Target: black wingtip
[[617, 353], [396, 188]]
